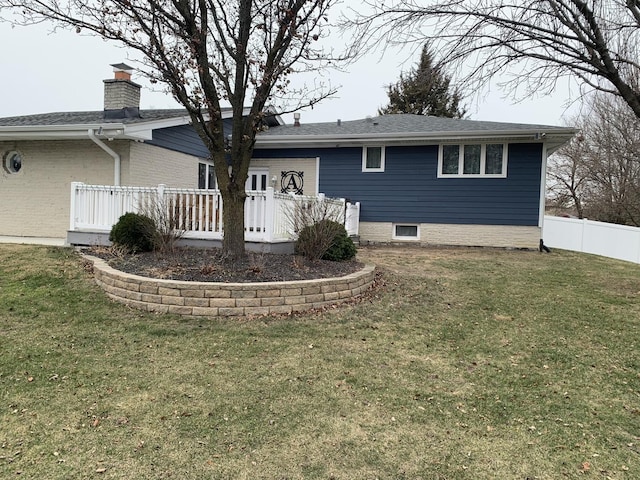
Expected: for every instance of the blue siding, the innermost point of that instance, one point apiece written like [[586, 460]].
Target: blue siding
[[183, 139], [409, 190]]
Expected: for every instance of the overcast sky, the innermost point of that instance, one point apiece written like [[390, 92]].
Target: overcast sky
[[44, 72]]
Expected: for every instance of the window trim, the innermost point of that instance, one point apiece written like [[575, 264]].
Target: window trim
[[395, 236], [6, 158], [208, 170], [364, 158], [483, 161]]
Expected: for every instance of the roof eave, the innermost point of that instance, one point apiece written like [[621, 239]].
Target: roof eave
[[275, 141], [59, 132]]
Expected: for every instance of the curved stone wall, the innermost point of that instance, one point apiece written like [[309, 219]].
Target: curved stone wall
[[211, 299]]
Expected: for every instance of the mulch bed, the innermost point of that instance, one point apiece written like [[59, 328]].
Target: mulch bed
[[209, 265]]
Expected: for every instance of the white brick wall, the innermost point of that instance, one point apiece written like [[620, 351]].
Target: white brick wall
[[375, 232], [481, 235], [464, 235], [35, 201], [151, 165]]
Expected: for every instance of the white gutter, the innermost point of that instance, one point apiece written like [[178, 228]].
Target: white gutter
[[57, 132], [116, 157], [387, 138]]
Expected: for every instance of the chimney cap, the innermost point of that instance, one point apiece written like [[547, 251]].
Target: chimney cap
[[122, 67]]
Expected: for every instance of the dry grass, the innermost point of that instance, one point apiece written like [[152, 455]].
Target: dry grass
[[469, 364]]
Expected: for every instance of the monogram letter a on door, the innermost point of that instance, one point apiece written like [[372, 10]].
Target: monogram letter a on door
[[292, 182]]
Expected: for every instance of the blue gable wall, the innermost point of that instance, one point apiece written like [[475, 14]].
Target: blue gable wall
[[184, 139], [409, 190]]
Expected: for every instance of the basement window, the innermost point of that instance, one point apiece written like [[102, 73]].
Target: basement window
[[12, 162], [406, 232]]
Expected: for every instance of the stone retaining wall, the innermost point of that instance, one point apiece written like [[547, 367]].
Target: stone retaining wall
[[211, 299]]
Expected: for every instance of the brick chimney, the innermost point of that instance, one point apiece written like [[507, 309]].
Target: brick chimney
[[121, 95]]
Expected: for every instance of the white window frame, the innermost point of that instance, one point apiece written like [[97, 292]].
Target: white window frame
[[415, 238], [483, 161], [209, 168], [364, 158]]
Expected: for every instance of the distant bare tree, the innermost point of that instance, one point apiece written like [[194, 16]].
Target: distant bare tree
[[210, 53], [599, 171], [537, 41], [567, 180]]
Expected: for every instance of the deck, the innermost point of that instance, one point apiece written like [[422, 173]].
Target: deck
[[196, 215]]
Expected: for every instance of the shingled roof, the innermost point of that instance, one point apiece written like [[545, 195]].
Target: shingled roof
[[401, 124], [88, 118], [409, 129]]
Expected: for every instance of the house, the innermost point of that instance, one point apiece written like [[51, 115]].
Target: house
[[418, 179], [429, 180]]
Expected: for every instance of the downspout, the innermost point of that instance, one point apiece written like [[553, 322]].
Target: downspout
[[543, 189], [114, 155]]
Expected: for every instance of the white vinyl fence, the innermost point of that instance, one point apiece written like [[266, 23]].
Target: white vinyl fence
[[198, 213], [606, 239]]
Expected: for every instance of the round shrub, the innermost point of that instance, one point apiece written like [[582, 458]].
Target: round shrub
[[134, 232], [325, 239], [342, 247]]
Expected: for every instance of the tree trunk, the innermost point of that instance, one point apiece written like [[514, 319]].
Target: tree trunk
[[233, 223]]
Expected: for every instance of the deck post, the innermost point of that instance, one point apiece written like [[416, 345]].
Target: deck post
[[269, 217], [160, 190], [72, 207], [352, 218]]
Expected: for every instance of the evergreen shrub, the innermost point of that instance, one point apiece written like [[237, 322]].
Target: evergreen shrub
[[134, 232]]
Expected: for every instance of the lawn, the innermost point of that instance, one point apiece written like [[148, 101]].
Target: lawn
[[467, 364]]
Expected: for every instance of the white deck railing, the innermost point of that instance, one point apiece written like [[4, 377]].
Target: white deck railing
[[198, 213]]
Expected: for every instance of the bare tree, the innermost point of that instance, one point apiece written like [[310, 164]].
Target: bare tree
[[567, 178], [599, 171], [537, 41], [210, 53]]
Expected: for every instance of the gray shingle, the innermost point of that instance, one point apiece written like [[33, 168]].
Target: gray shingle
[[399, 123], [86, 118]]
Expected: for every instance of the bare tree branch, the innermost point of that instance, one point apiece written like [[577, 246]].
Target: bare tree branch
[[208, 52], [598, 172], [536, 41]]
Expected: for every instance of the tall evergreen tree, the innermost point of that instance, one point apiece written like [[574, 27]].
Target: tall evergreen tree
[[425, 90]]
